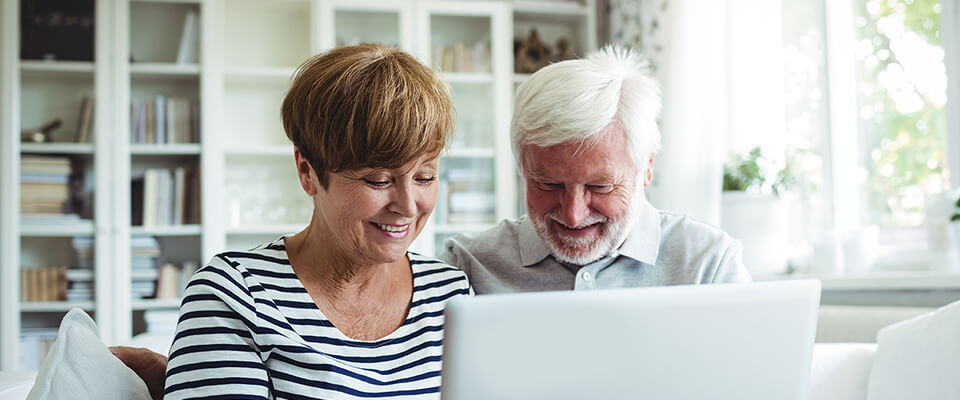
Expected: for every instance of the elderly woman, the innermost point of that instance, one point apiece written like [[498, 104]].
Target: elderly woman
[[341, 309]]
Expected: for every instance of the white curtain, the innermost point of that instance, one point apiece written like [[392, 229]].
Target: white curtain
[[686, 40], [721, 66]]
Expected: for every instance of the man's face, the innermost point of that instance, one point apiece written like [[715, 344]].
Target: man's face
[[582, 198]]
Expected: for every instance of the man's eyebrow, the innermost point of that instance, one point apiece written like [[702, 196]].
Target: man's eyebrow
[[535, 175]]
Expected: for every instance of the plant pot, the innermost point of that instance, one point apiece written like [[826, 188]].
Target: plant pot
[[761, 222]]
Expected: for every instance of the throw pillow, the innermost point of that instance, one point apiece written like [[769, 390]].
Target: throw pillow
[[918, 358], [79, 366]]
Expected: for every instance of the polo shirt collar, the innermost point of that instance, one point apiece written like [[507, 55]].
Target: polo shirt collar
[[643, 241], [641, 244], [532, 248]]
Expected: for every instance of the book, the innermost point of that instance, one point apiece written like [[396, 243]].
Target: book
[[86, 119], [171, 123], [189, 43], [160, 119], [151, 188], [167, 281], [179, 195]]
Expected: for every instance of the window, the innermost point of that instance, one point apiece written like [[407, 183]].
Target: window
[[866, 122]]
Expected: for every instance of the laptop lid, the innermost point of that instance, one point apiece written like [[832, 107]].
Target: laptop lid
[[728, 341]]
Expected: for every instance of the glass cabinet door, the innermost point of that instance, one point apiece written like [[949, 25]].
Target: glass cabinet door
[[350, 22], [264, 41], [460, 41]]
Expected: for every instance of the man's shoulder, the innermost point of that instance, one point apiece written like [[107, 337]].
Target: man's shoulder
[[676, 228], [507, 228], [498, 242]]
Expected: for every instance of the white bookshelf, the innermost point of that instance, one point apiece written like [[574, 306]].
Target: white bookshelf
[[57, 148], [56, 306], [165, 149], [56, 67], [248, 52]]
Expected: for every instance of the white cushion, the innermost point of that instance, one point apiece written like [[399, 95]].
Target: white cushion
[[15, 385], [918, 358], [839, 371], [79, 366]]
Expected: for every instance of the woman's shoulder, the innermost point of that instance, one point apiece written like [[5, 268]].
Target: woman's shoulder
[[242, 266], [430, 273]]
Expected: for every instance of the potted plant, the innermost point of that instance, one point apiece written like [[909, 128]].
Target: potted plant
[[755, 210]]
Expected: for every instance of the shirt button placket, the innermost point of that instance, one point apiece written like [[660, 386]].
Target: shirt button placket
[[587, 279]]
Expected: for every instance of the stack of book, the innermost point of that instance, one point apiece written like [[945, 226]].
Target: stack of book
[[79, 284], [143, 266], [80, 278], [83, 247], [43, 284], [44, 185], [163, 197], [165, 120], [462, 58]]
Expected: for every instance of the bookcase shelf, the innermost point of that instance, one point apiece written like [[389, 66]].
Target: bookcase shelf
[[552, 10], [172, 230], [41, 69], [153, 304], [164, 70], [248, 51], [56, 306], [165, 149], [57, 148], [68, 230]]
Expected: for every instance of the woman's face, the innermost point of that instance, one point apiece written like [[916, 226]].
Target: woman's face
[[374, 214]]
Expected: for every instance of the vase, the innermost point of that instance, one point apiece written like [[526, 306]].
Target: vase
[[761, 222]]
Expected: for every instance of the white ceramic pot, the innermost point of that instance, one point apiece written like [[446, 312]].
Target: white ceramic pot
[[761, 222]]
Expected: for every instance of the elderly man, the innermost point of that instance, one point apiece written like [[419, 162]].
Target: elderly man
[[585, 137]]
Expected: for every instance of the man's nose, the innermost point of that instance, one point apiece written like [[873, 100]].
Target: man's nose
[[574, 207]]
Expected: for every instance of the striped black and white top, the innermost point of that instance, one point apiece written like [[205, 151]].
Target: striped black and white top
[[249, 330]]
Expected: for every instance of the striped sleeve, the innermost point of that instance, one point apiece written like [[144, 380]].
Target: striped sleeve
[[213, 354]]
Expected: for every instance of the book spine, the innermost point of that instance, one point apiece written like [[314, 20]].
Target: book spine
[[160, 119]]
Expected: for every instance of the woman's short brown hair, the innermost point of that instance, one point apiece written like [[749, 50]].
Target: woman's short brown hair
[[365, 106]]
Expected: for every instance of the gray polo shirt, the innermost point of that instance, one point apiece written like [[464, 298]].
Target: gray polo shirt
[[662, 249]]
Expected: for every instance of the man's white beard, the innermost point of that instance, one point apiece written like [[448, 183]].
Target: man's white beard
[[583, 251]]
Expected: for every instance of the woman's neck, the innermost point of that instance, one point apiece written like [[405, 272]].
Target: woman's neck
[[336, 275]]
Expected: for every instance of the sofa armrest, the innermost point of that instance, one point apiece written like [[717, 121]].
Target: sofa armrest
[[841, 371]]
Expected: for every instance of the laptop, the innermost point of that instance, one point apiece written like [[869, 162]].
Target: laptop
[[727, 341]]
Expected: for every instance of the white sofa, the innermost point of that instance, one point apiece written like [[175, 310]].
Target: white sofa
[[840, 370]]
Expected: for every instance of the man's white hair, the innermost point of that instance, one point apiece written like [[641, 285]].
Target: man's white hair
[[575, 101]]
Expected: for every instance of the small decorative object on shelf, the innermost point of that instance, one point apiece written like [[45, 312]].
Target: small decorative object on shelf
[[532, 54], [43, 134]]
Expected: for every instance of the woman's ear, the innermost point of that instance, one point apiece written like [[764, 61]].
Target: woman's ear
[[305, 173]]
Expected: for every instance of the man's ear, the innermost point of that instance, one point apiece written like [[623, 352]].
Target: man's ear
[[648, 176], [305, 173]]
